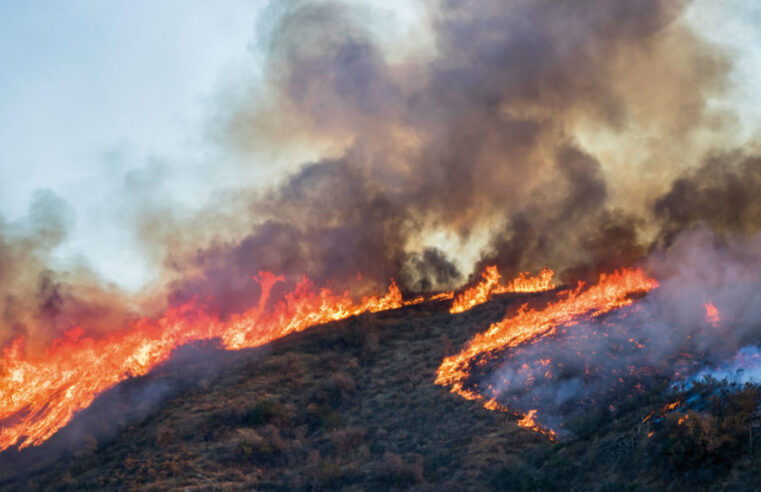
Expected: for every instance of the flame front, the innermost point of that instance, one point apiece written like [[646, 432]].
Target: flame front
[[40, 395], [490, 286], [611, 292]]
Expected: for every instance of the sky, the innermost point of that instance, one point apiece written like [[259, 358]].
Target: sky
[[97, 95]]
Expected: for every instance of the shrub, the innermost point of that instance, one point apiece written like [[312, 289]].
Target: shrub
[[264, 412], [164, 436], [394, 472], [322, 416], [348, 439]]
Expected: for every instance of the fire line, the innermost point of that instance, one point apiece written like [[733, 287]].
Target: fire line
[[40, 395], [610, 292]]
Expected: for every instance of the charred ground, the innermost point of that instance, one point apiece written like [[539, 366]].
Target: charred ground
[[352, 405]]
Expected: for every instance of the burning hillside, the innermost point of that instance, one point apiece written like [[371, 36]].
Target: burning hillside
[[353, 404], [582, 173], [42, 394]]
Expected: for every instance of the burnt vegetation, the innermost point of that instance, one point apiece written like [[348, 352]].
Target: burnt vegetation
[[351, 405]]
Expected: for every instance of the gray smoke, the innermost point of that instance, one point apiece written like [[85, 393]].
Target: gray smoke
[[666, 336], [476, 136]]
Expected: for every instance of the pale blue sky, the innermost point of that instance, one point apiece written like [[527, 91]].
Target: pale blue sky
[[92, 89]]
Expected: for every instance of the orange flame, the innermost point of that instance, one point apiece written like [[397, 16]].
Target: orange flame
[[611, 292], [443, 296], [528, 422], [712, 314], [489, 286], [39, 395]]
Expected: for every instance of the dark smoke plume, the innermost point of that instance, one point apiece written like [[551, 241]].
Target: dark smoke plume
[[477, 136], [482, 139]]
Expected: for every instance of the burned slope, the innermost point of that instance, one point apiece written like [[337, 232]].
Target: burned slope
[[352, 404]]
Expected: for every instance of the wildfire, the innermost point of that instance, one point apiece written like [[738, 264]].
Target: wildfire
[[40, 395], [443, 296], [712, 314], [490, 286], [663, 411], [528, 422], [611, 292]]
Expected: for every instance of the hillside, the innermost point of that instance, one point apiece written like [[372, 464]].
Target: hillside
[[352, 405]]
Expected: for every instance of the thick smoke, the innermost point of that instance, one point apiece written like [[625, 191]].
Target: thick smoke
[[38, 301], [722, 193], [482, 139], [478, 135]]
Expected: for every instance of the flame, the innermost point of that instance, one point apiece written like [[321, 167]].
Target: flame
[[412, 302], [443, 296], [490, 286], [39, 395], [663, 411], [528, 422], [712, 314], [611, 292], [670, 406]]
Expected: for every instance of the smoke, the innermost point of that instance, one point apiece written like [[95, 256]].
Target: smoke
[[40, 302], [667, 336], [491, 137], [744, 367], [481, 137], [722, 193]]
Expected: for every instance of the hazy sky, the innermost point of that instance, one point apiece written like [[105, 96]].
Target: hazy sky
[[92, 92]]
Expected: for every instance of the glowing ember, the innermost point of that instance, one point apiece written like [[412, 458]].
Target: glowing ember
[[712, 314], [40, 395], [611, 292], [490, 286], [663, 411]]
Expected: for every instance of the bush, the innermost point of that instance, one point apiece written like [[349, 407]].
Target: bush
[[322, 416], [394, 472], [348, 439], [164, 436], [264, 412], [264, 447]]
